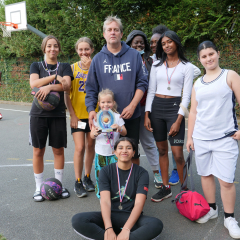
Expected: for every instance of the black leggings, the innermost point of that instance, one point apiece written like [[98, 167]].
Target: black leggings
[[90, 225]]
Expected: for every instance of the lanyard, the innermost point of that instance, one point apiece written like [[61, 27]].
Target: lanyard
[[110, 137], [53, 70], [119, 187], [169, 79]]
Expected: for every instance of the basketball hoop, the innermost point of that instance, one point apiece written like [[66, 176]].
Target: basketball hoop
[[3, 26]]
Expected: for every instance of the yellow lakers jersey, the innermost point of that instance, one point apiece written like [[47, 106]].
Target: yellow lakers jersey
[[77, 92]]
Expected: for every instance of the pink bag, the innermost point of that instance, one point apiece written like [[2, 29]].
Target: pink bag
[[190, 204]]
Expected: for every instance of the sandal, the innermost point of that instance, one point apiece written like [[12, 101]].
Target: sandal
[[65, 193], [37, 197]]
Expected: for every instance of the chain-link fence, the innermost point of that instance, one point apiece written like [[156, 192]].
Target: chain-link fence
[[14, 84]]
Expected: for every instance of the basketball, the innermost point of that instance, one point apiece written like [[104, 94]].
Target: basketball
[[51, 189], [50, 103], [106, 119]]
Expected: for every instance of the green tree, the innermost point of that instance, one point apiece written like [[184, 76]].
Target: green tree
[[193, 20]]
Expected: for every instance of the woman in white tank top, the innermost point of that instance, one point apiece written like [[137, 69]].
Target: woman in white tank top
[[213, 133]]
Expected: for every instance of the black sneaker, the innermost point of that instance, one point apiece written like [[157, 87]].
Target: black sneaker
[[164, 192], [79, 189], [88, 184]]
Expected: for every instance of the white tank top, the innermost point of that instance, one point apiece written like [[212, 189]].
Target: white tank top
[[216, 117]]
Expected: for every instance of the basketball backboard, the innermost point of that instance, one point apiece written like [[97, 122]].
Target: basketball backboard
[[16, 13]]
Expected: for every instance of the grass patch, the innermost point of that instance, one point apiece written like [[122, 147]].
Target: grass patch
[[2, 237]]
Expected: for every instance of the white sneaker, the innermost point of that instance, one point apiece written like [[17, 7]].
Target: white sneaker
[[232, 225], [210, 215], [157, 180]]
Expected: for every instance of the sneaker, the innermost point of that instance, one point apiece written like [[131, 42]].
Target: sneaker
[[164, 192], [174, 178], [79, 189], [157, 180], [210, 215], [232, 225], [88, 184]]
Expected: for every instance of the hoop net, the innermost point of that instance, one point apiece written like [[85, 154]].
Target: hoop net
[[3, 26], [5, 32]]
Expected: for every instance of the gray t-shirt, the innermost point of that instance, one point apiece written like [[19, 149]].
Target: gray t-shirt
[[138, 183]]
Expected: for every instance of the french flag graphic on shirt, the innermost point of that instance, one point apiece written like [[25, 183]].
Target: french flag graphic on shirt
[[118, 77]]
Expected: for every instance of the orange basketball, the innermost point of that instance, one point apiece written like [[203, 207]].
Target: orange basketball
[[106, 119]]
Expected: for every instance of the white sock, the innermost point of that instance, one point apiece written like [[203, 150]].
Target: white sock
[[58, 174], [38, 180]]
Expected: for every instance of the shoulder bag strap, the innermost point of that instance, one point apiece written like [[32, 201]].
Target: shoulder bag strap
[[188, 164]]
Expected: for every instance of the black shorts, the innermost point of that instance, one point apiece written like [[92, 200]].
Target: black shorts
[[164, 113], [133, 127], [86, 130], [52, 127]]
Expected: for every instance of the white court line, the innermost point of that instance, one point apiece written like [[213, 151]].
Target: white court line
[[26, 165], [14, 110], [30, 165]]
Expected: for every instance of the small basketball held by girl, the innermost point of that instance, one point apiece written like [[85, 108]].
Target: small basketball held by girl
[[75, 102], [104, 146]]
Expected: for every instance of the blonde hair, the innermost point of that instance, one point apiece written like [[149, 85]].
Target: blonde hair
[[111, 19], [84, 39], [44, 42], [105, 92]]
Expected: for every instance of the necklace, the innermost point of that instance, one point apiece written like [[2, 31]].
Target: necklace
[[119, 187], [110, 140], [171, 63], [169, 79], [51, 70]]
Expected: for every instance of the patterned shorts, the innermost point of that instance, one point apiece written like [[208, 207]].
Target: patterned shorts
[[100, 162]]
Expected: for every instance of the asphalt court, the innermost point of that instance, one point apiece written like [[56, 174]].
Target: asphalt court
[[23, 219]]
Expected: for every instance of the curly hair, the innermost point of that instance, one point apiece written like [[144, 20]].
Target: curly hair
[[160, 29]]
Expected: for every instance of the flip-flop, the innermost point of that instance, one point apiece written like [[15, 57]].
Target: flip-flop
[[38, 194], [64, 190]]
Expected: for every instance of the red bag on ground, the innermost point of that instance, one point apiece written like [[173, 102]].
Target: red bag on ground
[[190, 204]]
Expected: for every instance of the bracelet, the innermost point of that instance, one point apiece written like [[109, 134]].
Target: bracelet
[[121, 129], [126, 228], [55, 77], [108, 228]]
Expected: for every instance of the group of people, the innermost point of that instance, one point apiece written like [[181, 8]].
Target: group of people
[[148, 96]]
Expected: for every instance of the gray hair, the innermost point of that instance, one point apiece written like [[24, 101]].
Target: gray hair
[[84, 39], [111, 19]]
